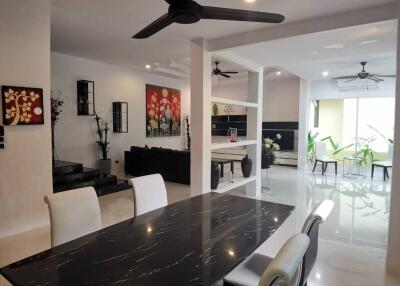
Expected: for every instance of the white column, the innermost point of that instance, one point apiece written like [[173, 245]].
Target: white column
[[393, 251], [200, 155], [303, 124], [254, 128]]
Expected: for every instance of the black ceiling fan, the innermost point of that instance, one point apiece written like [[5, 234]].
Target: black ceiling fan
[[365, 75], [217, 71], [189, 12]]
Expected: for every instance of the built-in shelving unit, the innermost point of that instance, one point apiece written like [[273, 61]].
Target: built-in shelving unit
[[253, 140], [203, 143], [233, 102], [238, 181]]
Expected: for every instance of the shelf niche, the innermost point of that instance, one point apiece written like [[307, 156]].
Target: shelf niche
[[85, 100], [120, 117]]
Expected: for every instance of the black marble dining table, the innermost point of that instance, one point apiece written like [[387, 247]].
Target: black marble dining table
[[193, 242]]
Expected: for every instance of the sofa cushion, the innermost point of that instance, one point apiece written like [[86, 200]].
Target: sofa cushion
[[139, 149]]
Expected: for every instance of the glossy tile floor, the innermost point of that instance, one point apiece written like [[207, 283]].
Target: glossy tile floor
[[352, 241]]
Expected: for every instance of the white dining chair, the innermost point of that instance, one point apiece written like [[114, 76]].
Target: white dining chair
[[73, 214], [311, 228], [149, 193], [266, 271], [321, 156], [387, 164]]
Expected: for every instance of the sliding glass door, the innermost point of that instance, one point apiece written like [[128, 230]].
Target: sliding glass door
[[359, 122]]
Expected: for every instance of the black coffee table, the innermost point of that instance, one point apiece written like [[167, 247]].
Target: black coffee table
[[222, 162]]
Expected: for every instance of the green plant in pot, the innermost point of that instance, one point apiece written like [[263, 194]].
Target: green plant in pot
[[337, 149], [366, 153], [311, 139], [104, 144]]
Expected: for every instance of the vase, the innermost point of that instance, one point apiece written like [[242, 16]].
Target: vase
[[247, 165], [105, 166], [267, 158], [214, 176]]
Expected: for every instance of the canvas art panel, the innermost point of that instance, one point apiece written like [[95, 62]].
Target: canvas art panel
[[163, 111], [22, 105]]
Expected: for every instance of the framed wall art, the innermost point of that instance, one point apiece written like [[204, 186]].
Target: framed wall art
[[22, 105], [163, 111]]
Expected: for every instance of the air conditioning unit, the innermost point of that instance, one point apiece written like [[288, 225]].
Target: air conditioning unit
[[358, 84]]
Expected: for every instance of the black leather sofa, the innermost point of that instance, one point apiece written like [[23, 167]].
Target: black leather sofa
[[173, 165]]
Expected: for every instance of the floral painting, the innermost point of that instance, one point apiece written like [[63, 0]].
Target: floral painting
[[22, 105], [163, 111]]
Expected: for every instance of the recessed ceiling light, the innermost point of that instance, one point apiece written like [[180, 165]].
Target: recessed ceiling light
[[368, 42], [325, 73], [278, 73], [315, 52], [318, 276], [148, 66], [335, 46], [249, 1]]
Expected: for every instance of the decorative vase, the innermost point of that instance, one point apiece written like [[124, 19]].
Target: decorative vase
[[247, 165], [105, 166], [267, 158], [214, 176]]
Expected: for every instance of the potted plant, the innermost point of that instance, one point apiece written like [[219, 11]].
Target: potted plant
[[311, 138], [56, 104], [102, 132], [268, 151]]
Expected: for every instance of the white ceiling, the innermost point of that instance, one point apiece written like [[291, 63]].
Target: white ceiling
[[338, 51], [102, 29]]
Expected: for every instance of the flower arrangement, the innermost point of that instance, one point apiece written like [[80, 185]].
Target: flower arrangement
[[270, 146]]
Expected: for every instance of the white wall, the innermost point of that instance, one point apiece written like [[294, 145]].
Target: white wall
[[75, 136], [393, 250], [25, 163], [280, 102], [328, 89]]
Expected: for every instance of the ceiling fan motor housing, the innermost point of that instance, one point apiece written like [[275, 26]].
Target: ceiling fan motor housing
[[185, 12]]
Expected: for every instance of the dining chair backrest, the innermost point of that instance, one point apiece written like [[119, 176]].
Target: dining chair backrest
[[73, 214], [390, 153], [320, 149], [284, 267], [149, 193], [311, 229]]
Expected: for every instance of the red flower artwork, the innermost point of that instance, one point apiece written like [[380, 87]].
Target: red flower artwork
[[22, 105], [163, 111]]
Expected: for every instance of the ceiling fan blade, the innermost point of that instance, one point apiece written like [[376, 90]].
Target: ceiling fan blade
[[217, 13], [375, 79], [155, 27], [378, 75], [346, 77], [225, 75], [230, 72], [350, 80]]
